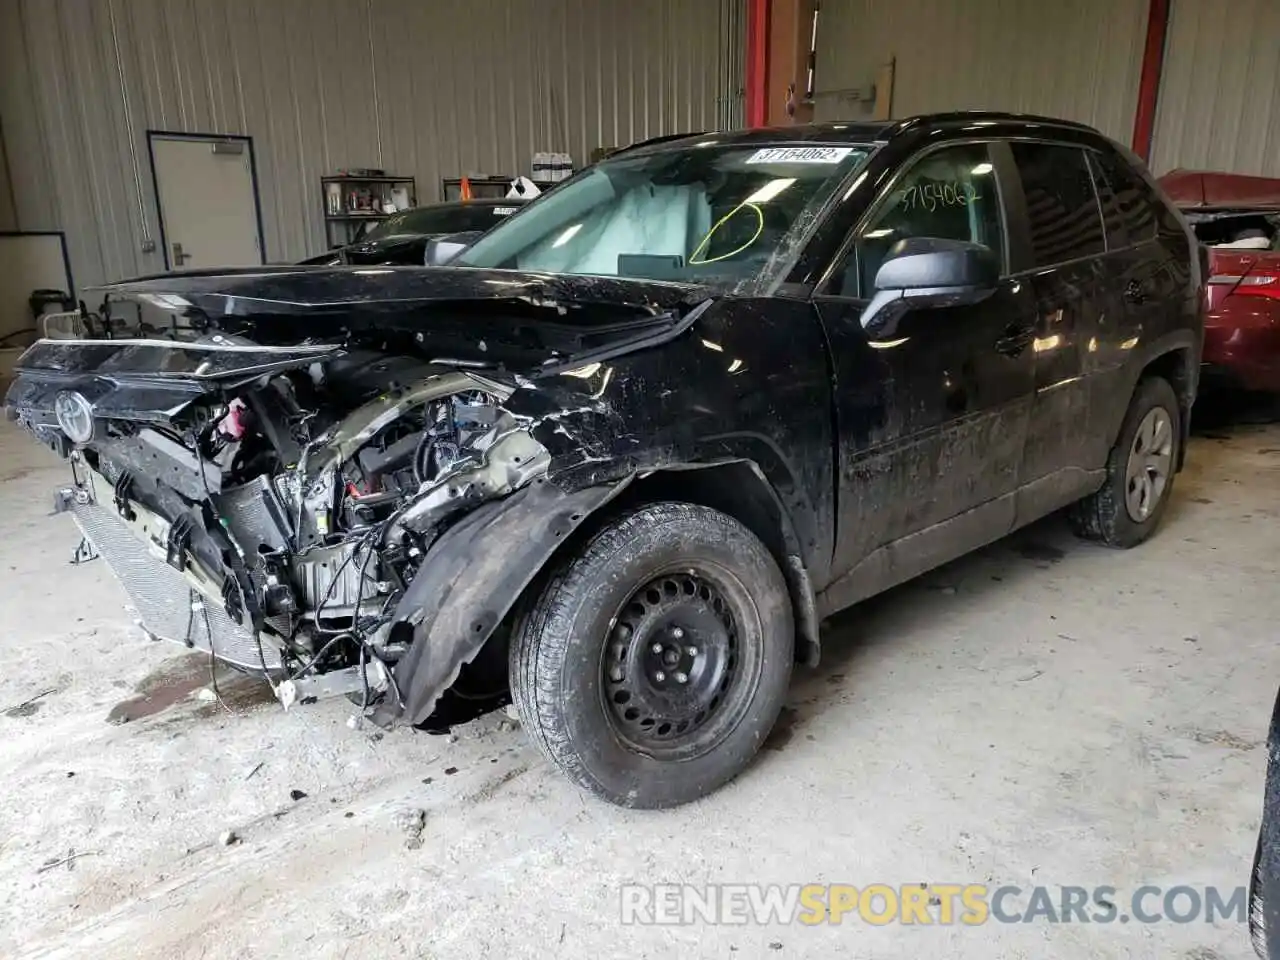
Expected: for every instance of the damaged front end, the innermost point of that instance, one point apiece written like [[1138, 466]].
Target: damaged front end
[[337, 517]]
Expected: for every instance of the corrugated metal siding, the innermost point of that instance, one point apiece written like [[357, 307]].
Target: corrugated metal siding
[[1079, 60], [8, 215], [1219, 106], [429, 89]]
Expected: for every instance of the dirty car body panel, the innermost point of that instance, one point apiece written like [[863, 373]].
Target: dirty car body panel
[[371, 474]]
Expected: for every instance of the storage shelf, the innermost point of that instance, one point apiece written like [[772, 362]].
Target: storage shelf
[[358, 204], [366, 179]]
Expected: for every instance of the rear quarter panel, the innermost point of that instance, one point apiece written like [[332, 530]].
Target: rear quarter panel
[[1169, 271]]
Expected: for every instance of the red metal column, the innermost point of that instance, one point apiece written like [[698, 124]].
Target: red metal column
[[1144, 122], [757, 79]]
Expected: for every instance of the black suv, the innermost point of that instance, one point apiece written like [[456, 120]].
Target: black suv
[[626, 452]]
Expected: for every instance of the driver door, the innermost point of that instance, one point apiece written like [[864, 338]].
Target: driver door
[[932, 416]]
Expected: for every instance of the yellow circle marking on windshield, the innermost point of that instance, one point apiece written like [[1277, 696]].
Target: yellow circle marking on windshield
[[693, 257]]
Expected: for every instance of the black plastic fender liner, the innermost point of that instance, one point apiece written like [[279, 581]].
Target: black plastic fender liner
[[469, 581]]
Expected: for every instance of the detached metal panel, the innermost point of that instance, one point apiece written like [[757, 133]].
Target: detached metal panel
[[1219, 106], [437, 89], [1078, 61]]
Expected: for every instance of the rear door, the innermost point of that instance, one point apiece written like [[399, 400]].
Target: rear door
[[931, 421], [1070, 284]]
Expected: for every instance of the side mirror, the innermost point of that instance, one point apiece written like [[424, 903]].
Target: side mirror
[[921, 272], [440, 252]]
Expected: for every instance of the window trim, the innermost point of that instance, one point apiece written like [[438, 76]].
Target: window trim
[[1151, 198], [1013, 212], [1100, 151], [1095, 170], [1097, 202], [820, 289], [1094, 148]]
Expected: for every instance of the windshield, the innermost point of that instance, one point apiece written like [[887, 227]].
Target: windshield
[[705, 213], [460, 217]]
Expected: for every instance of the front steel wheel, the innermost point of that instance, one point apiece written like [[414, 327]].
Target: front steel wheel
[[675, 677], [656, 660]]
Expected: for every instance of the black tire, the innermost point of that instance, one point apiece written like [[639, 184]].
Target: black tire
[[1105, 516], [582, 647]]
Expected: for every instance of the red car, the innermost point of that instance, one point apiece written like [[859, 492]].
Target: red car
[[1238, 219]]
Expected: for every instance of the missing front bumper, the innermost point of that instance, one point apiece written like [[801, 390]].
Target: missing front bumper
[[171, 605]]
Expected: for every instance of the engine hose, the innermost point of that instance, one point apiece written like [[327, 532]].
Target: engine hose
[[420, 453]]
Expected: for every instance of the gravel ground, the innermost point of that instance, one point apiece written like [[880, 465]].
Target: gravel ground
[[1041, 712]]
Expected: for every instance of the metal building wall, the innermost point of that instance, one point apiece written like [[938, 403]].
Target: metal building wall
[[1075, 59], [1219, 105], [430, 89], [8, 216]]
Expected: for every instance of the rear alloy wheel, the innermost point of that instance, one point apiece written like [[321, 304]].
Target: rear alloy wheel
[[1140, 471], [1150, 466], [657, 658]]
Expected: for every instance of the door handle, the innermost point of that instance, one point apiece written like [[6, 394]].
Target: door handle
[[1135, 292], [179, 257], [1016, 339]]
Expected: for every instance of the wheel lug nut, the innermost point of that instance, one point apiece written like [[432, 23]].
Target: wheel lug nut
[[657, 648], [692, 651], [682, 677], [659, 676], [677, 633]]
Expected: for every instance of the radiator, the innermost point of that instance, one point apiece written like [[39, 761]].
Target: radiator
[[162, 596]]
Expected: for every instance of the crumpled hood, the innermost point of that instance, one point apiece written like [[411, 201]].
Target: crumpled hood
[[502, 322], [495, 319], [304, 289]]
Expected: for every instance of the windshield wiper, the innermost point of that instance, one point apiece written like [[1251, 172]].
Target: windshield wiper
[[670, 327]]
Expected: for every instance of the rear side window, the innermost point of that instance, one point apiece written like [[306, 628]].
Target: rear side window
[[1061, 204], [1129, 208]]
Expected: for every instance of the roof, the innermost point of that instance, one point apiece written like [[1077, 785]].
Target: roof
[[1207, 190], [863, 131]]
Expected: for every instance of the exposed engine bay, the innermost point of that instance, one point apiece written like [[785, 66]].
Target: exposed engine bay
[[327, 484], [343, 480]]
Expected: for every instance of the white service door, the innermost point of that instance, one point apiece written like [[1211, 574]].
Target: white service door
[[207, 202]]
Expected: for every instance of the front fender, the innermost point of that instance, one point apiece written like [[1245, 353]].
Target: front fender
[[469, 581]]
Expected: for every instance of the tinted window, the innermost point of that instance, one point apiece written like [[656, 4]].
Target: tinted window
[[443, 218], [1129, 207], [1112, 220], [949, 194], [1061, 205]]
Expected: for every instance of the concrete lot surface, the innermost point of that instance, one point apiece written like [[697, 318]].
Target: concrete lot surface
[[1042, 712]]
